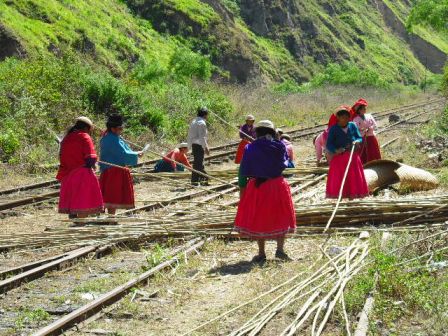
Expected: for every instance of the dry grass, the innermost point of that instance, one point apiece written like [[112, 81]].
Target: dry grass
[[308, 109]]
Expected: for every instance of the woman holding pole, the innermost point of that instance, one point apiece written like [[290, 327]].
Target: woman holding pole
[[346, 169]]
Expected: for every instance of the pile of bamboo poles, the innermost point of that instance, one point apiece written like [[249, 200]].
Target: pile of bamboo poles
[[402, 213], [314, 298], [229, 173]]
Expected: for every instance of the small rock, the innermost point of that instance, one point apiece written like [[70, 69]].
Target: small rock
[[99, 332], [88, 296], [334, 250]]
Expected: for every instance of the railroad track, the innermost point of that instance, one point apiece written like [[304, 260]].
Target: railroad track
[[80, 312], [15, 277], [227, 150]]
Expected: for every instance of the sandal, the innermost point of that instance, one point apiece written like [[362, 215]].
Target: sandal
[[259, 259], [282, 256]]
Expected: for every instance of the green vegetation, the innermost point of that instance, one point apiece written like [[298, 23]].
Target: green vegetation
[[27, 316], [430, 13], [155, 257], [337, 74], [406, 289], [155, 62], [102, 285]]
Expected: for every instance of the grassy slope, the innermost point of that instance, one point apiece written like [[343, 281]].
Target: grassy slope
[[119, 36]]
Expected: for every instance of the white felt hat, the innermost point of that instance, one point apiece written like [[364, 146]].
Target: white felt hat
[[266, 124], [182, 145], [250, 117], [85, 120]]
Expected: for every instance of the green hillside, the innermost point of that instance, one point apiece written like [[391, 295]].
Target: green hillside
[[274, 39], [155, 61]]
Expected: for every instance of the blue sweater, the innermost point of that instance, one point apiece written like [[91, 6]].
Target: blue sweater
[[337, 138], [115, 150], [264, 158]]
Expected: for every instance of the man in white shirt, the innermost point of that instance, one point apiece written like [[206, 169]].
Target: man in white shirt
[[197, 141]]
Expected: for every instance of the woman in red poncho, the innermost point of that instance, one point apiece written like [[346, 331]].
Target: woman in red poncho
[[370, 149], [80, 193]]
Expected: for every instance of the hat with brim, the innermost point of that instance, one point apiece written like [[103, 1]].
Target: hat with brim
[[266, 124], [342, 108], [182, 145], [250, 117], [85, 120]]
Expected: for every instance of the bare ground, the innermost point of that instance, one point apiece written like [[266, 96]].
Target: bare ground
[[174, 302]]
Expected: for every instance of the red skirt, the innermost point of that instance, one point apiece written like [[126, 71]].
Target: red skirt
[[370, 149], [240, 150], [355, 184], [118, 188], [80, 193], [266, 212]]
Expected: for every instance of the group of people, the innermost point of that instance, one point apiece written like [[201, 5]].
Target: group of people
[[265, 211], [82, 193]]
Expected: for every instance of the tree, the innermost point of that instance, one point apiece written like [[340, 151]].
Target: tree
[[433, 13]]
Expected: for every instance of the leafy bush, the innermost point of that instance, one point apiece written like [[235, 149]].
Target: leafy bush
[[9, 143], [186, 64], [348, 73], [337, 74], [288, 86], [42, 96], [432, 13]]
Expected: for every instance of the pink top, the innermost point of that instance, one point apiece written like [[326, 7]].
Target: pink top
[[319, 144], [289, 149], [366, 126]]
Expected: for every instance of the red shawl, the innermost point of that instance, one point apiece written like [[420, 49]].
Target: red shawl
[[359, 102], [75, 148]]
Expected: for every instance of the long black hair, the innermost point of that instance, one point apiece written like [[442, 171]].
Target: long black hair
[[78, 126]]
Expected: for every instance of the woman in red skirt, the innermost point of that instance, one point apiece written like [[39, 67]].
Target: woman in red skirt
[[370, 149], [116, 182], [266, 210], [80, 193], [341, 138]]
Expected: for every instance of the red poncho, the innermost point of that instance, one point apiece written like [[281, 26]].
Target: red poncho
[[75, 148]]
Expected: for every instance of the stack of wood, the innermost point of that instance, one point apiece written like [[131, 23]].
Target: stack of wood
[[401, 213]]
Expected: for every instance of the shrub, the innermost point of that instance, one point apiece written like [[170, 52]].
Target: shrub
[[347, 73], [185, 64], [9, 143]]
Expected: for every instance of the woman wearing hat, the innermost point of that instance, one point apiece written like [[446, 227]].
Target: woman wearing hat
[[179, 155], [266, 210], [247, 135], [80, 193], [370, 149], [116, 183], [341, 138]]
